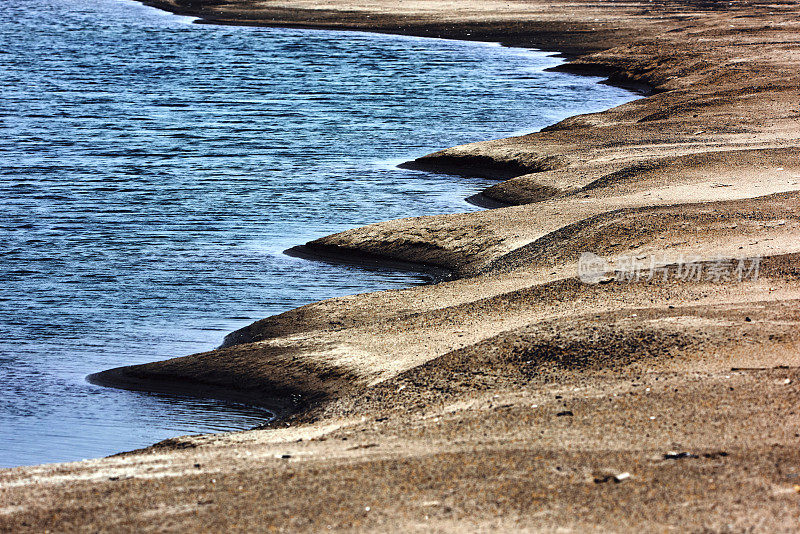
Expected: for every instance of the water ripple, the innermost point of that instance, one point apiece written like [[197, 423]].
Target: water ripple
[[152, 171]]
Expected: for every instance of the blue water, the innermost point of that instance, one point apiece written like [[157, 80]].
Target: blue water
[[152, 172]]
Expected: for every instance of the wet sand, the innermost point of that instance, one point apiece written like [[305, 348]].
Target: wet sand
[[516, 396]]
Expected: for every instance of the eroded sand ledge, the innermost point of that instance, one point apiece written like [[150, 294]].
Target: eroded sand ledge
[[503, 398]]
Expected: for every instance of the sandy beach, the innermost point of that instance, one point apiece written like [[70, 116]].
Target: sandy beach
[[656, 393]]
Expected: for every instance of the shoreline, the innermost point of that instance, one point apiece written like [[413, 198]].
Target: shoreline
[[294, 401], [515, 396]]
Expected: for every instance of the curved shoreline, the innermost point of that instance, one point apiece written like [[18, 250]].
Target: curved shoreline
[[283, 398], [516, 396], [361, 246]]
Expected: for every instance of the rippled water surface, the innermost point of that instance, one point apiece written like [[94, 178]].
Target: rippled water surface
[[152, 171]]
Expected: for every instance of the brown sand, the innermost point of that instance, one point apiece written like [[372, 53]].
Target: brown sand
[[516, 396]]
